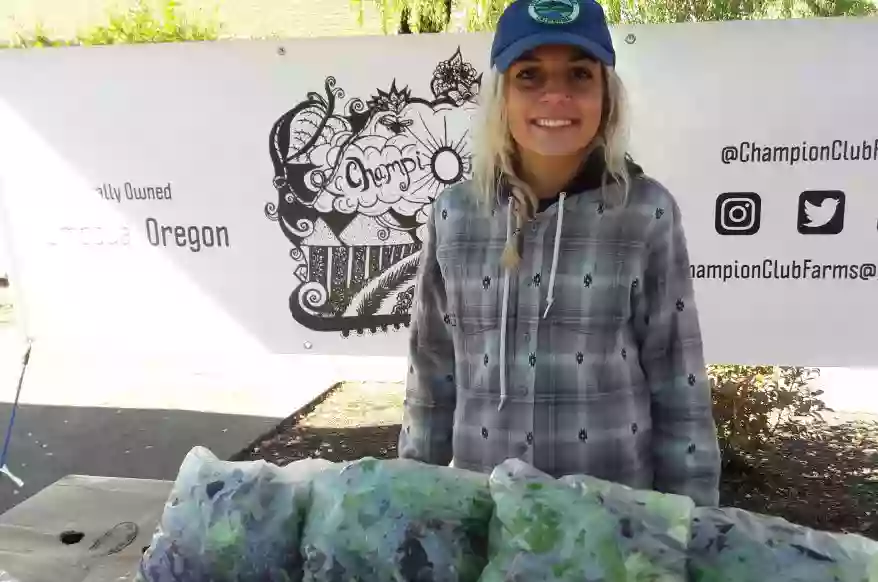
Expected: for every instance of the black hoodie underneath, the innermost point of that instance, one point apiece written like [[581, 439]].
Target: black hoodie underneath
[[589, 177]]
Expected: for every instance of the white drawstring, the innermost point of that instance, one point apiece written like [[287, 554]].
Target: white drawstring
[[550, 297], [505, 313]]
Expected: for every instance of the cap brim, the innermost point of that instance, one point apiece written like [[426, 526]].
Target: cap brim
[[509, 55]]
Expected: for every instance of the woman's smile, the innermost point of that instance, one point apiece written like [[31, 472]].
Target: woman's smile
[[554, 123]]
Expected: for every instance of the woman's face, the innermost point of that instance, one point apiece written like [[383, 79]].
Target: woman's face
[[554, 99]]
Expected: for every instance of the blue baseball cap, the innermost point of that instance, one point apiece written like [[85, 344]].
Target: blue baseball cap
[[527, 24]]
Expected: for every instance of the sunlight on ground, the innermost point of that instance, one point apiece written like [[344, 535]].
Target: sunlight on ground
[[359, 404]]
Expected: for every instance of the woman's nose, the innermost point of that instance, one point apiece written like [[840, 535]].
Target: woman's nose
[[557, 88], [556, 95]]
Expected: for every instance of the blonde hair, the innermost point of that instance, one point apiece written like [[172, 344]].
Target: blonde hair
[[494, 149]]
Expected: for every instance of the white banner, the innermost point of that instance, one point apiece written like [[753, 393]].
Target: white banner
[[263, 196]]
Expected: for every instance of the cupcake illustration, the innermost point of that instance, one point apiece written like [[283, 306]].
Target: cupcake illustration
[[355, 182]]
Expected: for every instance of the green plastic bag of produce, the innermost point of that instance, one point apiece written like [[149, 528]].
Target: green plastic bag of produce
[[734, 545], [231, 522], [396, 520], [582, 529], [662, 512]]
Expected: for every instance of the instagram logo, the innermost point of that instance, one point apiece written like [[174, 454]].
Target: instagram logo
[[738, 213]]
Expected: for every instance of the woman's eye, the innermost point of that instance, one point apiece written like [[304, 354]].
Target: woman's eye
[[581, 74], [527, 74]]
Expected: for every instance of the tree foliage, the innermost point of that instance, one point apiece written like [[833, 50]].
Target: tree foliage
[[142, 23], [409, 16], [480, 15]]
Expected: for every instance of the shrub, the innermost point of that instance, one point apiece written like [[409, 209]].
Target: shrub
[[752, 407], [141, 23]]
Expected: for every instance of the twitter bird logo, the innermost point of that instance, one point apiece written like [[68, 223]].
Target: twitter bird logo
[[821, 212], [820, 215]]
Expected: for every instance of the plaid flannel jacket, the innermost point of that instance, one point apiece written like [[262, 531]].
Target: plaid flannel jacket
[[610, 382]]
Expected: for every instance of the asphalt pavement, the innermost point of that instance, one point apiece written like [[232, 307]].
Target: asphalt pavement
[[51, 442]]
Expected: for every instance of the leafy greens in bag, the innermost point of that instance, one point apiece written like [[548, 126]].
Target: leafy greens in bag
[[671, 514], [231, 522], [581, 529], [734, 545], [396, 520]]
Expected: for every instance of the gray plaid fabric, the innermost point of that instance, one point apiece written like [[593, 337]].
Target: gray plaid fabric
[[611, 383]]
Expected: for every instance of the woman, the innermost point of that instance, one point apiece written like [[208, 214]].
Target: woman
[[554, 319]]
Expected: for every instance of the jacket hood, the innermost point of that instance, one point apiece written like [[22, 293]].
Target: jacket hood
[[589, 177]]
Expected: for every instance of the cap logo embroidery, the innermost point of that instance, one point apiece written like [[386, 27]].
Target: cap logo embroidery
[[554, 11]]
